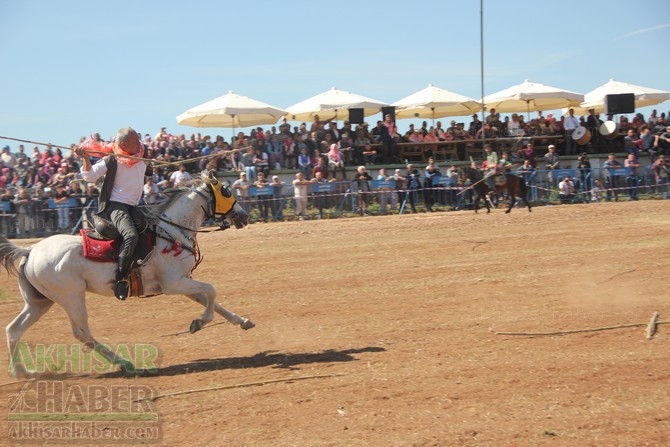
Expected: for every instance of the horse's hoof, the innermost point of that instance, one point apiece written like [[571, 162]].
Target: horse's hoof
[[196, 325], [247, 324], [126, 367], [20, 372]]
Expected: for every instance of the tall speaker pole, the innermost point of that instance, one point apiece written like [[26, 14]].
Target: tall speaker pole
[[481, 63]]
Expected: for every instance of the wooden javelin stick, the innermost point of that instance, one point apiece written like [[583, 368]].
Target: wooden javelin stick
[[475, 183], [153, 161], [63, 147], [34, 142]]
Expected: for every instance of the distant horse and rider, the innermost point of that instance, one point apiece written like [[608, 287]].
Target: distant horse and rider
[[502, 182], [58, 269]]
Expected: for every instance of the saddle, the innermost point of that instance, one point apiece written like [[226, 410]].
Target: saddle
[[102, 244]]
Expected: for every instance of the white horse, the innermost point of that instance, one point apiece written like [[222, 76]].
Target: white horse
[[55, 270]]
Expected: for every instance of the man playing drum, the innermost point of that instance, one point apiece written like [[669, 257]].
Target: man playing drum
[[593, 123], [570, 124]]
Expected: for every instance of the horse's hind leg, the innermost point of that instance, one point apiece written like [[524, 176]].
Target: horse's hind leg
[[35, 306], [232, 317], [523, 193], [512, 201], [78, 315], [488, 202]]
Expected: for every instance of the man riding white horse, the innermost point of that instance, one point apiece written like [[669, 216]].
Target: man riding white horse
[[121, 192]]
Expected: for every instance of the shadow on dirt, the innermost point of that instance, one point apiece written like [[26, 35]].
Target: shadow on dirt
[[290, 361]]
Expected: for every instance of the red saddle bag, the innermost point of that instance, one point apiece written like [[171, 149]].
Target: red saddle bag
[[107, 250]]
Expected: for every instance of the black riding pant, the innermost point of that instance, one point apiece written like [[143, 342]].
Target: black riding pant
[[121, 215]]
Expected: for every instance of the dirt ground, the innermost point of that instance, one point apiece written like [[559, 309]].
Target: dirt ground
[[388, 328]]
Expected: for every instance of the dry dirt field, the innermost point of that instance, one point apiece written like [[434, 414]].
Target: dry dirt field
[[388, 329]]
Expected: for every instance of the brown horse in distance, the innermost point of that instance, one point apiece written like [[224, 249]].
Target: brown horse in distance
[[514, 186]]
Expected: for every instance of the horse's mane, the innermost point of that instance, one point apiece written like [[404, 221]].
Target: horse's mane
[[173, 194]]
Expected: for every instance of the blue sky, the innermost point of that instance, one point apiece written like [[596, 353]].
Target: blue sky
[[71, 68]]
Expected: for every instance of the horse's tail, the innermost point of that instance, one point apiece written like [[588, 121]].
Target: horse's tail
[[10, 254]]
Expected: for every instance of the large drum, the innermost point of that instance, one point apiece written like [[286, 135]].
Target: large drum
[[581, 135], [609, 130]]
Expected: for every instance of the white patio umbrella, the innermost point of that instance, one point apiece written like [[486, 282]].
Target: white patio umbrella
[[332, 104], [435, 102], [231, 110], [644, 96], [533, 96]]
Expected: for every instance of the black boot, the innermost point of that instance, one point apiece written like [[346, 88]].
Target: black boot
[[121, 287]]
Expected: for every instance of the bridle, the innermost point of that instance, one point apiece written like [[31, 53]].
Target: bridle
[[186, 232], [209, 214]]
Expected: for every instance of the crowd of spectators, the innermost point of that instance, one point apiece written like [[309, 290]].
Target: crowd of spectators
[[653, 133], [302, 147], [320, 147]]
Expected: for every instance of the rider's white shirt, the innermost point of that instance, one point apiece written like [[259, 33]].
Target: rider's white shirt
[[129, 182]]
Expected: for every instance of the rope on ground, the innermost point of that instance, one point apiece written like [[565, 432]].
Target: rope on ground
[[476, 243], [652, 324], [16, 382], [614, 276], [239, 385]]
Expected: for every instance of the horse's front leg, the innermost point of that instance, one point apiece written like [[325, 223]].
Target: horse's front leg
[[232, 317], [206, 317], [201, 292], [205, 294]]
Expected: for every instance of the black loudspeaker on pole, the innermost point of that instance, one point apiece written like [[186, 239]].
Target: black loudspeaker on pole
[[390, 110], [356, 116], [619, 104]]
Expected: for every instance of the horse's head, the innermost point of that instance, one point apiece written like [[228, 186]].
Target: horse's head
[[470, 173], [224, 203]]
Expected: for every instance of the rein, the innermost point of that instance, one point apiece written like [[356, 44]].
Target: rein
[[195, 250], [176, 245], [208, 215]]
